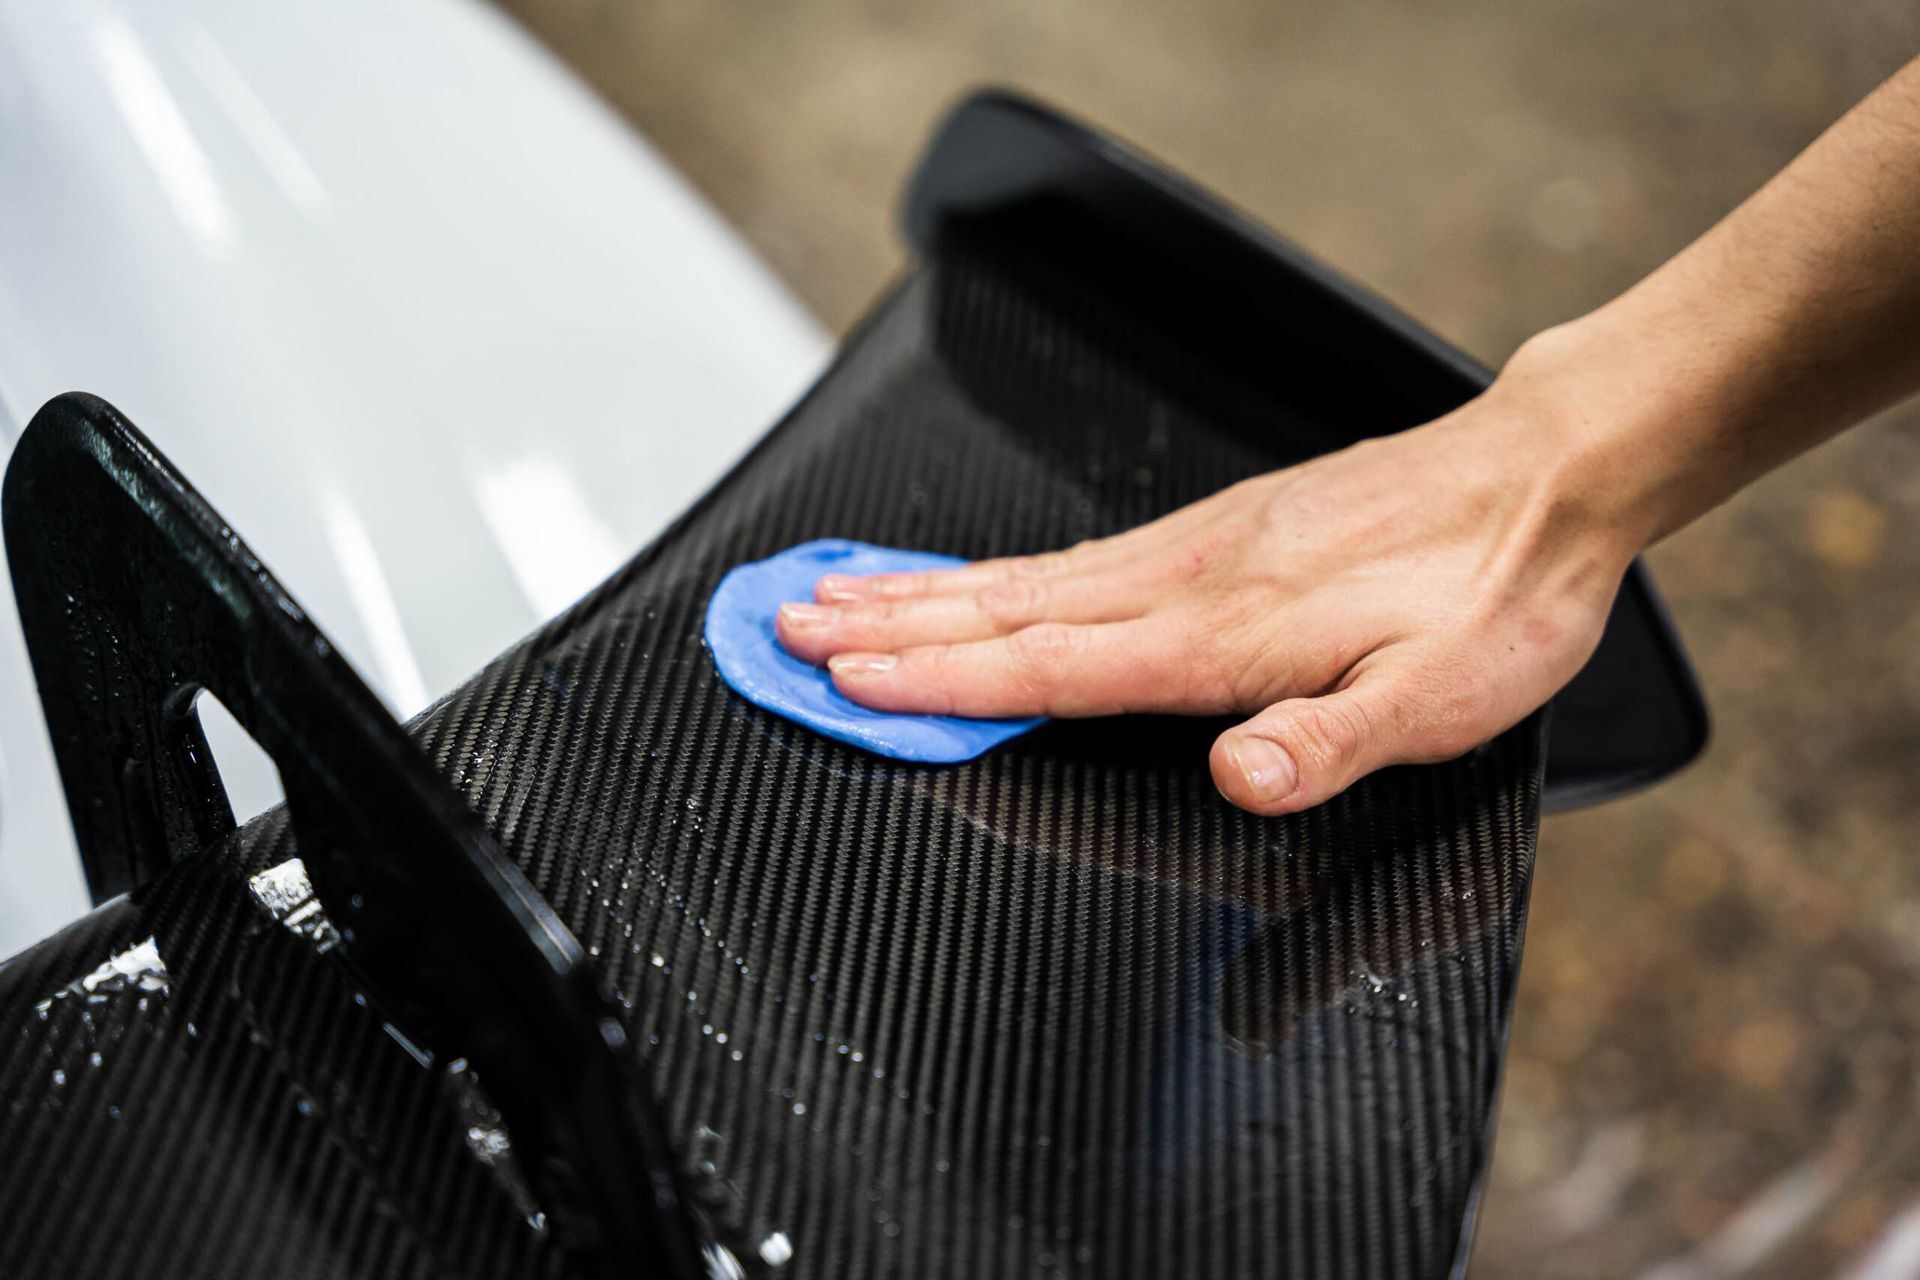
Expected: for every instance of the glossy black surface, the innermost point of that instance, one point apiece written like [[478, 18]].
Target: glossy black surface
[[1057, 1011]]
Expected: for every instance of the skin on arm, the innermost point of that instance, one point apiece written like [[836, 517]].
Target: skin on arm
[[1408, 598]]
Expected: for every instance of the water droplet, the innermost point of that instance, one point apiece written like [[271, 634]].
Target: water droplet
[[489, 1143], [799, 1108], [776, 1250]]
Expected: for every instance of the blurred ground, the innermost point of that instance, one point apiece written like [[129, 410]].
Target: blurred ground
[[1714, 1058]]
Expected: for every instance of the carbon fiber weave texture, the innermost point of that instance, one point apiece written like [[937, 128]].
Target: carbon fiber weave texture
[[1058, 1011]]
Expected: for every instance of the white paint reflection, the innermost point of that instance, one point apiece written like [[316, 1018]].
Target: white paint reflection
[[373, 600], [158, 126], [256, 125], [557, 549]]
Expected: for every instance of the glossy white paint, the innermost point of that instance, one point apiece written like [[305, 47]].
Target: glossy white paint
[[435, 331]]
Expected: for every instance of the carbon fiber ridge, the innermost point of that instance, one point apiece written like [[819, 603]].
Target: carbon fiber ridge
[[1058, 1011]]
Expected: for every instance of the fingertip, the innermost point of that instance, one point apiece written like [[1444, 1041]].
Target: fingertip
[[863, 678], [804, 630], [836, 588], [1257, 773], [861, 666]]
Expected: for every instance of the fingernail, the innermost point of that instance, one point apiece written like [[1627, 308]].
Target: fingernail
[[1268, 770], [862, 664], [806, 615], [834, 588]]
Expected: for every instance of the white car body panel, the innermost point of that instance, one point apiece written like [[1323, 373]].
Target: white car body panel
[[437, 334]]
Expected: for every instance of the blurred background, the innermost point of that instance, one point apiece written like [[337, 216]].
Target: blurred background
[[1717, 1042]]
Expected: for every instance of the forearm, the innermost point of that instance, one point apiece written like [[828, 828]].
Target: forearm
[[1795, 317]]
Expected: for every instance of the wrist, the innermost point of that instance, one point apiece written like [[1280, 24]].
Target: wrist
[[1619, 440]]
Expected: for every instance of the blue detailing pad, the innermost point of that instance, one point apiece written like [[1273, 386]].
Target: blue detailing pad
[[745, 648]]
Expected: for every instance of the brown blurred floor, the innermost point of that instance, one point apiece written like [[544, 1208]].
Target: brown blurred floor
[[1714, 1059]]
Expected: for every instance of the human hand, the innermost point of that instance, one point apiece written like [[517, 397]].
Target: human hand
[[1398, 602]]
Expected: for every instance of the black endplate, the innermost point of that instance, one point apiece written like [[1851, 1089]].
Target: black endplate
[[134, 597]]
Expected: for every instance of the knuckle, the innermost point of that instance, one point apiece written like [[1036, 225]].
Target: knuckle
[[1044, 647], [1442, 713], [1206, 557], [1078, 553], [1009, 604], [1215, 679], [1049, 564], [1455, 725], [939, 666], [1332, 731], [1242, 657], [1430, 720], [1193, 560]]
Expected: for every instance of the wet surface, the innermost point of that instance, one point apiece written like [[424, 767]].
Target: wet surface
[[1713, 1059], [214, 1099], [1055, 1011]]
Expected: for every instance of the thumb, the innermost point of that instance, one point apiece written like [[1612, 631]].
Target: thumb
[[1300, 752]]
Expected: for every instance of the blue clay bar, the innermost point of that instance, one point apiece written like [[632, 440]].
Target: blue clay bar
[[740, 633]]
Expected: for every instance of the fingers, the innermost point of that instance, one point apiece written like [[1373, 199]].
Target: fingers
[[1054, 669], [1098, 556], [815, 632], [836, 588], [1302, 751]]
